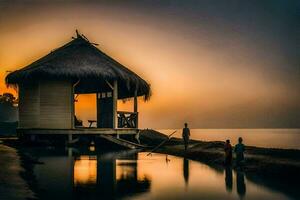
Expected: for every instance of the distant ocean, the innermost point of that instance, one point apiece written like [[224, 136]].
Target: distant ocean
[[274, 138]]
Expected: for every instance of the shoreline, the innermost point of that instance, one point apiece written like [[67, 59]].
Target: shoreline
[[211, 152], [13, 185], [265, 138], [271, 167], [274, 168]]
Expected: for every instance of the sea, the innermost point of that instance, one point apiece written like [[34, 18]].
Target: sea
[[270, 138]]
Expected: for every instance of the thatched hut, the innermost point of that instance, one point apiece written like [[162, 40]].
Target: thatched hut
[[47, 88]]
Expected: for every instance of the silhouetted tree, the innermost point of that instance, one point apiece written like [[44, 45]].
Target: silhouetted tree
[[7, 98]]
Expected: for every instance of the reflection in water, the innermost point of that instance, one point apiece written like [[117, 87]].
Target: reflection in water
[[128, 181], [186, 171], [108, 177], [228, 178], [167, 159], [89, 175], [126, 169], [85, 170], [240, 184]]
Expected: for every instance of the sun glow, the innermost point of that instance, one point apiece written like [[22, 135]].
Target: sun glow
[[206, 72]]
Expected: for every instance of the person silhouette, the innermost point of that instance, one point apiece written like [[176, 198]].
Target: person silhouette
[[228, 178], [228, 153], [240, 184], [186, 135], [239, 150]]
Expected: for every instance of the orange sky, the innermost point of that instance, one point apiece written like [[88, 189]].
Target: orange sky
[[210, 75]]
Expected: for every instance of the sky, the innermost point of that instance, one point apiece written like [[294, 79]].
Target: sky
[[211, 63]]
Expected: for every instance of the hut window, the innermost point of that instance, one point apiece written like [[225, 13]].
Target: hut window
[[103, 94], [109, 94], [99, 95]]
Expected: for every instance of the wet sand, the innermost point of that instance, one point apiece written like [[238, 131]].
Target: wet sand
[[12, 185]]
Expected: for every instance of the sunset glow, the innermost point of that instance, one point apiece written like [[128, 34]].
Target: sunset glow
[[149, 99], [203, 69]]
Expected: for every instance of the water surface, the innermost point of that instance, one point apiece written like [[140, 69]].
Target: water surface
[[71, 174]]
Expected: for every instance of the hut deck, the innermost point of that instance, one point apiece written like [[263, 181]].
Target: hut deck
[[79, 131]]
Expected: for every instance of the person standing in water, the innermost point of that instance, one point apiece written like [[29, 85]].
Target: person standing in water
[[186, 135], [239, 151], [228, 152]]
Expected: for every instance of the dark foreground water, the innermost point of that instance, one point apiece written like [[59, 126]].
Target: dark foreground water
[[274, 138], [12, 186], [70, 174]]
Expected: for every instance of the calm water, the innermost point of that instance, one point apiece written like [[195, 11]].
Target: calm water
[[69, 174], [276, 138]]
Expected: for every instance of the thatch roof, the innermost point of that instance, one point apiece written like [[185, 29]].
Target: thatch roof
[[80, 61]]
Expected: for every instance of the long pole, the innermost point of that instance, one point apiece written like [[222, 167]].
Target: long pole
[[163, 142]]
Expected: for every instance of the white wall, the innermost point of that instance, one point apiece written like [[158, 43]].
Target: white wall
[[47, 104], [29, 106]]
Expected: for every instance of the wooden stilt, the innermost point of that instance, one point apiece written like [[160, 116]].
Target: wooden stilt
[[135, 109], [115, 101], [70, 138]]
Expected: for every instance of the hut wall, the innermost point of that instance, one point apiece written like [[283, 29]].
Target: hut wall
[[56, 104], [29, 106]]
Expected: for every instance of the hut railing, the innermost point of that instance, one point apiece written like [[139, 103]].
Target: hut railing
[[127, 119]]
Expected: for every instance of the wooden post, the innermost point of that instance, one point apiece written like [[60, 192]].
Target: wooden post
[[135, 107], [135, 102], [70, 138], [72, 108], [70, 154], [115, 101], [97, 111]]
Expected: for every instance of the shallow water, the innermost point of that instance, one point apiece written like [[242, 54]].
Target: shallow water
[[275, 138], [70, 174]]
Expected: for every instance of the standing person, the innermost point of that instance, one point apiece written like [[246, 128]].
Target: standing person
[[239, 151], [228, 152], [186, 135]]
